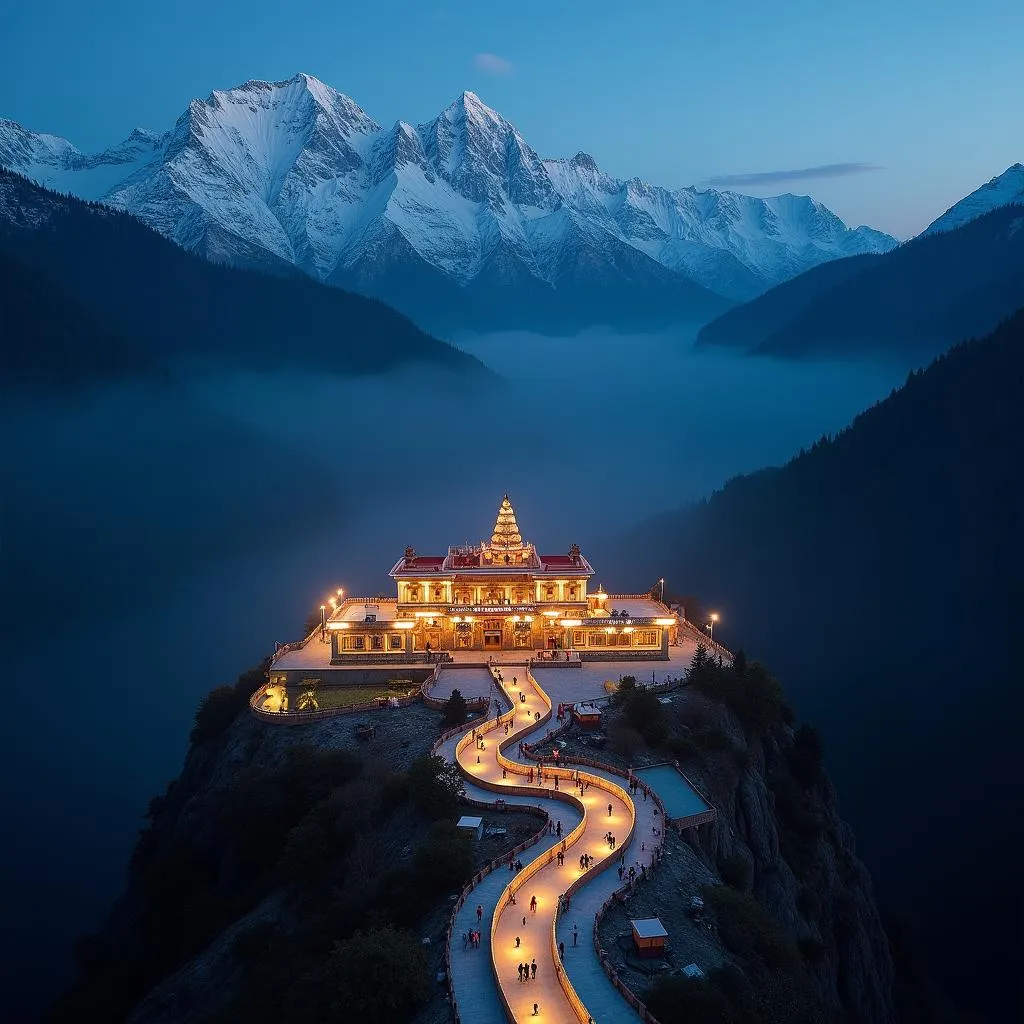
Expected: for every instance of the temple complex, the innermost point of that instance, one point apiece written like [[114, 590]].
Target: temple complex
[[498, 595]]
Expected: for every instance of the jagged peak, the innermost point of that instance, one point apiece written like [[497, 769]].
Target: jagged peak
[[472, 108], [584, 161], [322, 94]]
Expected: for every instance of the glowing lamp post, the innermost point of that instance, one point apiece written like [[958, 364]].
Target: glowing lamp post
[[711, 626], [662, 582], [323, 619]]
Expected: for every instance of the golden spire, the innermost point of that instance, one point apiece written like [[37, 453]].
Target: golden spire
[[506, 529]]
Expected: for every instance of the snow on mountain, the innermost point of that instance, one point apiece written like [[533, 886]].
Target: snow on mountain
[[1007, 188], [296, 174]]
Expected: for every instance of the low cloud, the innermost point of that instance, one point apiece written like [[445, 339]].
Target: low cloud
[[799, 174], [492, 64]]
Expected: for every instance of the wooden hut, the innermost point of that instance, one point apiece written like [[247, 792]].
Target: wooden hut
[[649, 936]]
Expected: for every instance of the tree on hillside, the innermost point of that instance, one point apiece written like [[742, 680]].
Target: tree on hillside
[[698, 664], [435, 786], [454, 709], [379, 974]]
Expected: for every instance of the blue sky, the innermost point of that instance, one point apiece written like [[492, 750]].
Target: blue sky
[[906, 104]]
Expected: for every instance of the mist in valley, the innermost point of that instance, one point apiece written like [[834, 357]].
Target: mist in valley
[[156, 541]]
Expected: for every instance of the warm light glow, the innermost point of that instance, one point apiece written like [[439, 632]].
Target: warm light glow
[[323, 607], [334, 602], [571, 622], [528, 618], [468, 618], [426, 615], [404, 625], [515, 618], [456, 618], [551, 615], [627, 629], [714, 616], [340, 592], [609, 629], [664, 622]]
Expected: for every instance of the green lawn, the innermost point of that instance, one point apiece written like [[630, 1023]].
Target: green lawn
[[345, 696]]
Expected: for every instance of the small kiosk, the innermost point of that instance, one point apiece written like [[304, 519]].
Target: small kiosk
[[649, 936], [474, 825], [588, 715]]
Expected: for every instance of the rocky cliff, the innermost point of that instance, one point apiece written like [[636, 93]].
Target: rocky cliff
[[282, 860]]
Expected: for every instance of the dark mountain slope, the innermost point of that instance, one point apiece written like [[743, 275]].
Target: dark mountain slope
[[172, 304], [909, 304], [48, 338], [748, 325], [883, 573]]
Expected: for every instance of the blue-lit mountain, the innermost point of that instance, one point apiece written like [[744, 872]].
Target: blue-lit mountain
[[459, 209]]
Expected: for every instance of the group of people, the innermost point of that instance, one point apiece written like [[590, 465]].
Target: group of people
[[528, 972], [471, 939], [609, 838]]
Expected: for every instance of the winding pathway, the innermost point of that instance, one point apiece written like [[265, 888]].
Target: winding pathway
[[486, 981]]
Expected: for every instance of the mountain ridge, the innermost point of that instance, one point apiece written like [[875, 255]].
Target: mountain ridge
[[297, 172]]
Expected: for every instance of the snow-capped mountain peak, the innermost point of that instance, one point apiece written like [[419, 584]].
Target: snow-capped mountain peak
[[295, 172], [1002, 190]]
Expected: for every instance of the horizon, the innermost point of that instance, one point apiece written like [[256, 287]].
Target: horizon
[[873, 149]]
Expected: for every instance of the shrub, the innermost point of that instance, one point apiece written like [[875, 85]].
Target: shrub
[[216, 711], [748, 930], [444, 860], [624, 739], [677, 999], [379, 974], [734, 871], [644, 713], [435, 787]]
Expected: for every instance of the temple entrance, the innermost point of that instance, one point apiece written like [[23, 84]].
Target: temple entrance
[[492, 638]]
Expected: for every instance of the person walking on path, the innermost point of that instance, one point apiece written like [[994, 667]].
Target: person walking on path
[[517, 942], [533, 904], [520, 972], [561, 951], [533, 970], [558, 826], [575, 934], [609, 810], [479, 913], [465, 940]]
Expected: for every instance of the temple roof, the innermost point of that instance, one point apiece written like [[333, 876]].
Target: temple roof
[[506, 530]]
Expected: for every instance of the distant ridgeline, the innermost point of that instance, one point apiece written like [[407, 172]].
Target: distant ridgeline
[[909, 304], [880, 573], [90, 293]]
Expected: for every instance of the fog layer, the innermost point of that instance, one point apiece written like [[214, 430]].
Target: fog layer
[[155, 543]]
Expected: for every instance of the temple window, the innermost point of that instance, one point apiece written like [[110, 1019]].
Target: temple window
[[395, 641], [377, 642]]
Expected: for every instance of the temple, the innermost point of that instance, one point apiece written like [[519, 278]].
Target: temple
[[498, 595]]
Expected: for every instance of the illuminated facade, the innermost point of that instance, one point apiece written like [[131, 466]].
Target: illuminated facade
[[499, 595]]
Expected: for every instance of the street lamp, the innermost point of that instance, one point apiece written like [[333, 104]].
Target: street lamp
[[323, 619], [662, 582], [711, 625]]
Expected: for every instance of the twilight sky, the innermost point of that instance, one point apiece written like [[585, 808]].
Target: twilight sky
[[888, 111]]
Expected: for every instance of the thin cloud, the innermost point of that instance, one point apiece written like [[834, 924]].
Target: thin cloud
[[492, 64], [799, 174]]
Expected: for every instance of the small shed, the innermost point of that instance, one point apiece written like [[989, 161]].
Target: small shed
[[474, 825], [649, 936], [587, 714]]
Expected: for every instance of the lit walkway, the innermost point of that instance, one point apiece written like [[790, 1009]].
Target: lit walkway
[[472, 975]]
